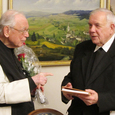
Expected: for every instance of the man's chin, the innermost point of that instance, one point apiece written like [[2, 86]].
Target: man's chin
[[95, 41]]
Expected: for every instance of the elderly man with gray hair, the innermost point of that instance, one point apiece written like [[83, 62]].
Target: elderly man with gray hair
[[93, 68], [15, 86]]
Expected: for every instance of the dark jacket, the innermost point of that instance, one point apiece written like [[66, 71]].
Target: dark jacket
[[102, 80]]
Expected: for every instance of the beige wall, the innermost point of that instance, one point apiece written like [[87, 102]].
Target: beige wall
[[53, 88]]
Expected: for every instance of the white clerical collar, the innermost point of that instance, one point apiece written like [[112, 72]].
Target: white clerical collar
[[107, 45]]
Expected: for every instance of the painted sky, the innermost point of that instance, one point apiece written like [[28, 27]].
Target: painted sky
[[55, 6]]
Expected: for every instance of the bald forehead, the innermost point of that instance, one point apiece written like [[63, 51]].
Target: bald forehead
[[102, 16], [20, 16], [99, 13], [21, 21]]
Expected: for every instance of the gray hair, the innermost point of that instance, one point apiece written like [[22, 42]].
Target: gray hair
[[8, 19], [110, 16]]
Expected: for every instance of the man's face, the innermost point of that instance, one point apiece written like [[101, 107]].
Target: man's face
[[18, 33], [99, 29]]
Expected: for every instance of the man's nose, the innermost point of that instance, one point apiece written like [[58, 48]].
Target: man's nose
[[92, 28], [26, 34]]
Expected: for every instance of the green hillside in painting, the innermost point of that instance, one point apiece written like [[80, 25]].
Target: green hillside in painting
[[54, 37]]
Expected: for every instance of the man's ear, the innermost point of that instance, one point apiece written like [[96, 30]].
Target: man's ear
[[6, 31], [112, 27]]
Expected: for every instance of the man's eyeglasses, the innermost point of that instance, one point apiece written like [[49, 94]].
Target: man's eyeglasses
[[22, 31]]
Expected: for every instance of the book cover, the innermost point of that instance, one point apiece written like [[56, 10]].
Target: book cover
[[74, 91]]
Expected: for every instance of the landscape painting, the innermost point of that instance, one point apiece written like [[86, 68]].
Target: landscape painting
[[0, 8], [56, 27]]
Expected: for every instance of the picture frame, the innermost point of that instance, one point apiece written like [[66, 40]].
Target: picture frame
[[102, 2], [110, 4], [10, 4], [0, 8], [54, 62]]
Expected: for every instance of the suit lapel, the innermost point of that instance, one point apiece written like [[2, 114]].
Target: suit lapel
[[103, 65], [85, 62], [85, 65], [89, 67], [86, 56]]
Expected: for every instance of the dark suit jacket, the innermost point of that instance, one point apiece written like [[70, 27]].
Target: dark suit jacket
[[102, 80]]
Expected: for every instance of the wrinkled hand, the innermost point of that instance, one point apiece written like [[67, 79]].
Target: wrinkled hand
[[89, 99], [68, 96], [40, 87], [40, 79]]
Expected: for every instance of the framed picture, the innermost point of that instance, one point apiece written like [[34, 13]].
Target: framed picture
[[0, 8], [56, 27], [111, 5]]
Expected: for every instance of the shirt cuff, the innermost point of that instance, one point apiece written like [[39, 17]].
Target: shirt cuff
[[31, 84]]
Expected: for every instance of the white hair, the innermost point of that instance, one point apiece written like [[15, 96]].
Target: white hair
[[8, 19], [109, 15]]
